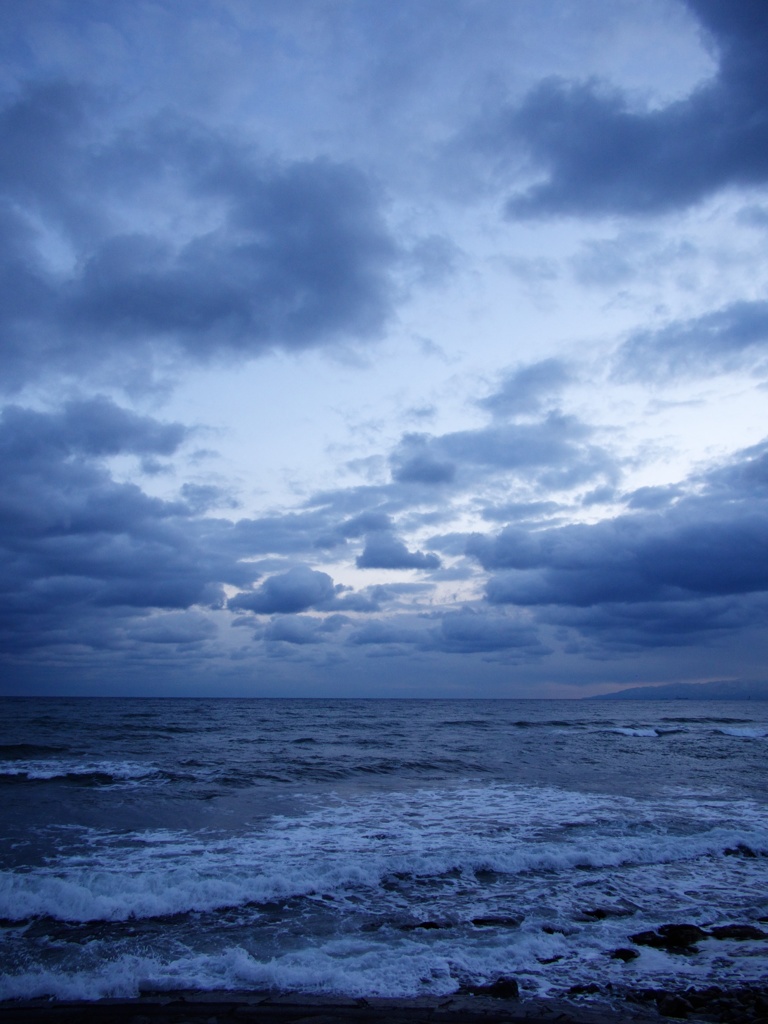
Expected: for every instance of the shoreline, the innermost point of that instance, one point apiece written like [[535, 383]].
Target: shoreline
[[219, 1007]]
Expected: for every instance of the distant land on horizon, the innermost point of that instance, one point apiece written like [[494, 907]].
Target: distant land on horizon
[[717, 690]]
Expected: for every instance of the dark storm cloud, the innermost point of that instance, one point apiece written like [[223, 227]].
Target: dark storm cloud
[[79, 550], [47, 132], [383, 632], [518, 446], [268, 254], [296, 590], [466, 631], [637, 625], [295, 629], [289, 533], [298, 261], [88, 562], [553, 452], [315, 529], [385, 551], [173, 628], [91, 427], [471, 632], [685, 564], [632, 558], [724, 339], [601, 156], [300, 589]]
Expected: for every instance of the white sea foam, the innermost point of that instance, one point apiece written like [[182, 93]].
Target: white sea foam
[[366, 966], [392, 859], [750, 732], [351, 967], [349, 846], [56, 768], [626, 730]]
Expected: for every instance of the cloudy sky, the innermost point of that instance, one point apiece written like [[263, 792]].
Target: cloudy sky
[[415, 348]]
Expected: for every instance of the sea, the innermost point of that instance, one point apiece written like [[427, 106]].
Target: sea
[[392, 848]]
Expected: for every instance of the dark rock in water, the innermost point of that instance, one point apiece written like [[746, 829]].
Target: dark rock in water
[[584, 990], [600, 913], [646, 995], [549, 959], [624, 954], [674, 1006], [738, 931], [426, 925], [672, 937], [681, 934], [496, 922], [745, 1005], [741, 850], [502, 988], [703, 997], [486, 875], [647, 938]]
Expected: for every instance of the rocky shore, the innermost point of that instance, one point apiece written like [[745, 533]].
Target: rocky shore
[[585, 1004], [499, 1001], [253, 1008]]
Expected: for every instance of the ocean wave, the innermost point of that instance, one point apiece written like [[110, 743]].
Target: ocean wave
[[557, 723], [705, 719], [632, 730], [96, 773], [645, 731], [474, 723], [747, 732], [359, 966], [344, 966], [13, 751], [347, 846]]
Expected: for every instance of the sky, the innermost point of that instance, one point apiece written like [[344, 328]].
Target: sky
[[405, 349]]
